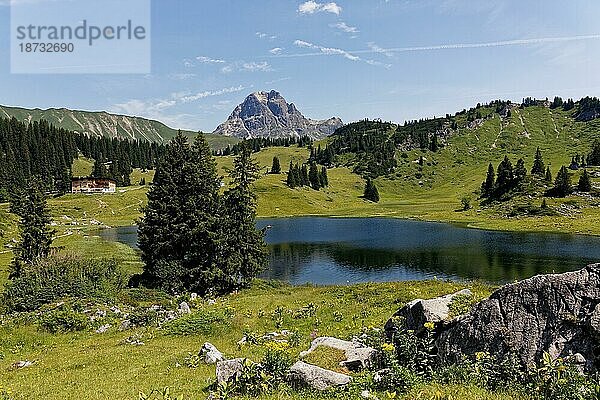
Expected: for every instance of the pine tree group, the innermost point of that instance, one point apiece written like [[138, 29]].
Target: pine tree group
[[301, 176], [192, 237]]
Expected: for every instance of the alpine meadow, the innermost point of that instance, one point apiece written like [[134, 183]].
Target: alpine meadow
[[422, 222]]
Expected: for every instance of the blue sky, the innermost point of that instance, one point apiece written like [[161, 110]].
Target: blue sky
[[389, 59]]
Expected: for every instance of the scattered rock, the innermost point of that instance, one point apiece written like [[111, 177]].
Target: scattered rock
[[416, 313], [22, 364], [315, 377], [193, 296], [125, 324], [184, 308], [557, 313], [358, 356], [210, 354], [230, 369], [103, 328]]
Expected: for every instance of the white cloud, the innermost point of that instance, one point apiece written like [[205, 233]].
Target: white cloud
[[377, 49], [327, 50], [250, 66], [157, 108], [262, 35], [453, 46], [257, 66], [208, 60], [276, 50], [342, 26], [302, 43], [311, 7]]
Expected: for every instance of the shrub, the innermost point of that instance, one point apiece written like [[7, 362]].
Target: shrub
[[63, 319], [277, 360], [200, 322], [60, 276]]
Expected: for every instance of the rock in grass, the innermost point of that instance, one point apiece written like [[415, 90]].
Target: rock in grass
[[318, 378], [184, 308], [22, 364], [418, 312], [556, 313], [229, 370], [210, 354], [357, 355]]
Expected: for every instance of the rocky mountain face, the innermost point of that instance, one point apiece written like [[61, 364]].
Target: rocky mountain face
[[95, 123], [268, 114]]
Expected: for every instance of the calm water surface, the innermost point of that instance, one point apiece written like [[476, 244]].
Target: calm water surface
[[351, 250]]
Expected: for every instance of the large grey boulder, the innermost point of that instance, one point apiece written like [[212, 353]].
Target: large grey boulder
[[210, 354], [558, 314], [418, 312], [318, 378], [229, 370], [358, 356]]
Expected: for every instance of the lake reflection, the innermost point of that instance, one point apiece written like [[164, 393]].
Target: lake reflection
[[350, 250]]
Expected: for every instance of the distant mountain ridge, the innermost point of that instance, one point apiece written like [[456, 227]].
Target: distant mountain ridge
[[268, 114], [96, 123]]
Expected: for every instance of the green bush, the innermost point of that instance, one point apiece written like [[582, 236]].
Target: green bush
[[63, 319], [200, 322], [61, 276]]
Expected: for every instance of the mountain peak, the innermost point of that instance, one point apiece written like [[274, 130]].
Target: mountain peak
[[268, 114]]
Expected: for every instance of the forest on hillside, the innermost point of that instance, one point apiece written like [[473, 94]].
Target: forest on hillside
[[43, 152]]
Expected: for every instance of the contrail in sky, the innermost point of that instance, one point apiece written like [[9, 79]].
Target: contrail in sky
[[517, 42]]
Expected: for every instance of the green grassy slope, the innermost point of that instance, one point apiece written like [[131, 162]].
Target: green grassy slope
[[99, 366]]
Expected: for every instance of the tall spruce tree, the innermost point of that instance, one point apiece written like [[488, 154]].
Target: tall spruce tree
[[245, 252], [34, 227], [520, 172], [562, 185], [487, 188], [504, 177], [538, 164], [313, 177], [371, 193], [179, 232], [291, 177], [548, 178], [324, 178], [585, 183], [276, 167]]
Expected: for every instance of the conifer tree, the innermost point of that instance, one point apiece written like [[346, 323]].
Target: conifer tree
[[245, 253], [313, 177], [585, 183], [291, 177], [562, 185], [520, 172], [305, 181], [371, 193], [276, 167], [178, 234], [487, 188], [548, 177], [323, 177], [538, 164], [504, 177], [34, 227]]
